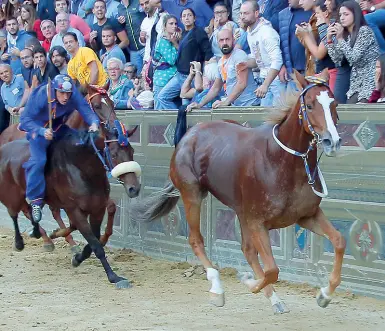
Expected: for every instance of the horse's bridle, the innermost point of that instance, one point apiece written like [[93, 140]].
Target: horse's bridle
[[118, 129], [302, 115]]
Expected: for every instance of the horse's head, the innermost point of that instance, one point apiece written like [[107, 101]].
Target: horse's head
[[119, 152], [318, 111]]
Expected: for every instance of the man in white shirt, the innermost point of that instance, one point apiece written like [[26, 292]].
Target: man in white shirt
[[264, 43], [145, 29]]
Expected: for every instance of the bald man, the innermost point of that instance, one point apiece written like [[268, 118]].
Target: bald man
[[233, 75]]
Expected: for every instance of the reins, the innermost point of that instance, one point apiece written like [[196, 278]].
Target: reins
[[315, 81], [118, 128]]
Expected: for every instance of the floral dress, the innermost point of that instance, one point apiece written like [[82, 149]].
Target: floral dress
[[362, 57], [164, 59]]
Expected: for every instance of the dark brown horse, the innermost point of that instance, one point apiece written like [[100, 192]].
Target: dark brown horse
[[76, 177], [74, 121], [267, 175]]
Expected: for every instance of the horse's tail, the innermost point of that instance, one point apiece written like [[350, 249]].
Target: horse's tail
[[156, 205]]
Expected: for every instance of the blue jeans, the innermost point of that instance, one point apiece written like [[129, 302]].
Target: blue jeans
[[136, 57], [342, 83], [274, 94], [156, 90], [376, 21], [170, 92]]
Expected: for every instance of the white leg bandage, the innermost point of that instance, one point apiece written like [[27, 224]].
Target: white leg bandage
[[327, 293], [213, 277], [274, 299]]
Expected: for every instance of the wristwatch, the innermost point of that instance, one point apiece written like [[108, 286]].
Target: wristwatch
[[372, 9]]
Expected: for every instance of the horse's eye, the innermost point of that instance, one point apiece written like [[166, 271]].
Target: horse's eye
[[309, 107]]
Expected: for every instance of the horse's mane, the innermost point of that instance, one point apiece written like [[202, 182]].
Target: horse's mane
[[288, 100], [71, 144]]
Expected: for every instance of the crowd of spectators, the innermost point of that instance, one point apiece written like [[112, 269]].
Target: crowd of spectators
[[160, 54]]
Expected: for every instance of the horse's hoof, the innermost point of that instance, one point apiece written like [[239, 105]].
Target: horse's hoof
[[124, 283], [76, 249], [18, 246], [323, 300], [217, 300], [75, 263], [34, 234], [50, 247], [280, 308]]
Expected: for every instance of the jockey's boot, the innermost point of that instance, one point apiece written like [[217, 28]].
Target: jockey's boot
[[36, 213]]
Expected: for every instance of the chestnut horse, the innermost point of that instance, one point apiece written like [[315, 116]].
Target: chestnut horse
[[75, 121], [76, 177], [268, 175]]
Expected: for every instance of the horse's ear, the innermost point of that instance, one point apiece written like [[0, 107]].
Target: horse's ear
[[132, 131], [301, 79], [107, 86], [324, 74]]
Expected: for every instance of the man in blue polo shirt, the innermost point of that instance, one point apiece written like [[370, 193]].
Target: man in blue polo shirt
[[12, 90]]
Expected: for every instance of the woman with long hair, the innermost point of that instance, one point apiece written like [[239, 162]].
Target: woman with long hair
[[316, 46], [28, 21], [342, 83], [165, 55], [354, 40], [194, 46], [12, 8], [378, 94]]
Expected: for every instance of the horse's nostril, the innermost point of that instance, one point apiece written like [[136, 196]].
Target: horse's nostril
[[327, 142], [131, 190]]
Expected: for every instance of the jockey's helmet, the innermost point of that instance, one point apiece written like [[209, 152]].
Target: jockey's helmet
[[62, 83]]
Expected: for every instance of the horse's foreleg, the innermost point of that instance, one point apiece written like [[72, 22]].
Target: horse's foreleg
[[192, 202], [87, 250], [321, 225], [111, 210], [261, 240], [251, 254], [79, 219], [19, 242], [56, 215]]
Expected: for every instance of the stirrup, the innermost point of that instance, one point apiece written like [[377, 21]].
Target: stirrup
[[36, 213]]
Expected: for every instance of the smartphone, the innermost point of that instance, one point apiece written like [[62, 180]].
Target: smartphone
[[333, 22]]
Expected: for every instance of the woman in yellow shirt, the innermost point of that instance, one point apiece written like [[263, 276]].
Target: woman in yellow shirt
[[84, 66]]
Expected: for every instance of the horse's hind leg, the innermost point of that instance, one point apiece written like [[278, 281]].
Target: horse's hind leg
[[321, 225], [19, 242], [192, 199], [111, 210], [251, 254], [79, 219], [37, 231], [56, 215]]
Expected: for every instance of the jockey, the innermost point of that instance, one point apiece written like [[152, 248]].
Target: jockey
[[65, 98]]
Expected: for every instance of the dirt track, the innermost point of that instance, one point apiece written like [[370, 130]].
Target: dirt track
[[41, 291]]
